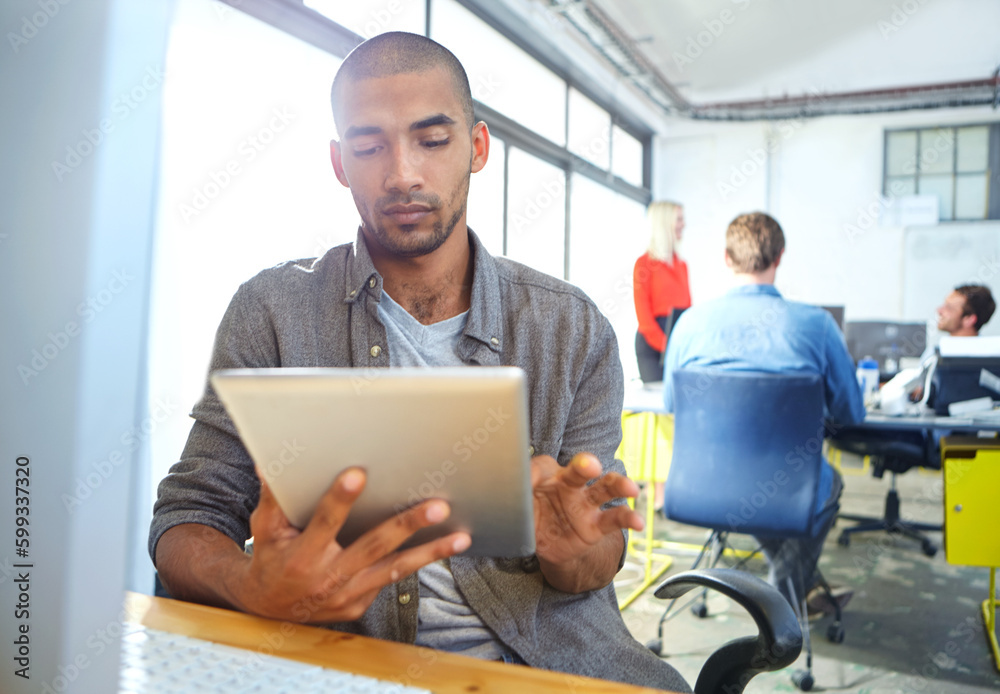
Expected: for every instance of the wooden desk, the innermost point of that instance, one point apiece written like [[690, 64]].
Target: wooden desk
[[443, 673]]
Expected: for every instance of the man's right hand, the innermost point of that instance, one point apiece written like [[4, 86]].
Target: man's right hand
[[303, 576]]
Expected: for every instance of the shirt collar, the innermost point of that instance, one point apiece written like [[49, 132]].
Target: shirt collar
[[755, 290], [484, 324]]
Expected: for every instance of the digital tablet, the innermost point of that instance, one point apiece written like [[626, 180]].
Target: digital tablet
[[457, 433]]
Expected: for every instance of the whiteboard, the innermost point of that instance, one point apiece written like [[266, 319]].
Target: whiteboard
[[939, 258]]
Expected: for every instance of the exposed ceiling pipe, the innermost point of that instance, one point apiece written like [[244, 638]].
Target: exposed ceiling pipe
[[622, 52], [922, 96]]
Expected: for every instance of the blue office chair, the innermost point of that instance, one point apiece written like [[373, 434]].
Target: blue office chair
[[747, 458]]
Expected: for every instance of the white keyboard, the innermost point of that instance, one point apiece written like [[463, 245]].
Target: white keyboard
[[158, 662]]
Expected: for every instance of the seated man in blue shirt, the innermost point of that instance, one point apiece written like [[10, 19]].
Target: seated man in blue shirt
[[752, 328]]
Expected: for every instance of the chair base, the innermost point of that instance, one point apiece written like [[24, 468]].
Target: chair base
[[892, 523]]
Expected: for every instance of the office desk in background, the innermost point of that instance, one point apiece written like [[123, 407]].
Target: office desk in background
[[440, 672]]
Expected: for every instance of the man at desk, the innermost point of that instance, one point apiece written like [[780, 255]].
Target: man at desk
[[418, 288], [752, 328]]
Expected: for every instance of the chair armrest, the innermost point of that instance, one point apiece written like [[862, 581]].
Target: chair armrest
[[777, 644]]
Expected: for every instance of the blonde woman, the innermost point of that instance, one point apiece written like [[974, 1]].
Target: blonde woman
[[660, 284]]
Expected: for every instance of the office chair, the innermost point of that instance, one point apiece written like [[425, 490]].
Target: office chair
[[895, 452], [747, 459], [778, 641]]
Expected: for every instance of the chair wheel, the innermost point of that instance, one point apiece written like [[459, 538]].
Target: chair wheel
[[803, 679], [929, 548], [835, 633], [844, 540], [656, 646], [700, 610]]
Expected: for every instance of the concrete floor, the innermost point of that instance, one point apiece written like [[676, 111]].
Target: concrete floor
[[914, 624]]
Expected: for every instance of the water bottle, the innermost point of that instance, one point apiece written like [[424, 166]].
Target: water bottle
[[868, 378]]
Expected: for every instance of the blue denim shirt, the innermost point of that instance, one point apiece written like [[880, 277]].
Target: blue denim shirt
[[752, 328]]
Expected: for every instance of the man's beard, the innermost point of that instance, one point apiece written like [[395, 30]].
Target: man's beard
[[411, 243]]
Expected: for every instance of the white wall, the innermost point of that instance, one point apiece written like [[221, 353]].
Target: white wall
[[822, 181]]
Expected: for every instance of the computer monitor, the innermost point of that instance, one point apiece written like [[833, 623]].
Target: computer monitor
[[886, 342], [958, 378], [838, 315]]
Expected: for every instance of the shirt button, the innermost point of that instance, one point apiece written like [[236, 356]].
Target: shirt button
[[494, 341], [531, 451], [375, 351], [371, 282], [404, 598], [353, 292]]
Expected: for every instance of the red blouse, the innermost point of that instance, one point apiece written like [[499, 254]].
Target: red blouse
[[659, 289]]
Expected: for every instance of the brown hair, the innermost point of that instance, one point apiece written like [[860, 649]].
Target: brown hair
[[754, 241], [978, 301]]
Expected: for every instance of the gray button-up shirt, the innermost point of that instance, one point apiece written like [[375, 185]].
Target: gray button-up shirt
[[323, 312]]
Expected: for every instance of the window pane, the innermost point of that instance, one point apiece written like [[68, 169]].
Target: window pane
[[626, 156], [901, 153], [970, 196], [603, 269], [937, 151], [536, 213], [973, 147], [485, 210], [940, 186], [245, 176], [589, 130], [902, 185], [502, 75], [370, 17]]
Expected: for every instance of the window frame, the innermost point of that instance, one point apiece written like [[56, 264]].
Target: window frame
[[992, 170]]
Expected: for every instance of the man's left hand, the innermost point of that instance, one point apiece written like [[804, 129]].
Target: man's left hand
[[577, 543]]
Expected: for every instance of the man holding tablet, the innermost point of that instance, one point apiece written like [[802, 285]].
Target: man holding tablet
[[417, 288]]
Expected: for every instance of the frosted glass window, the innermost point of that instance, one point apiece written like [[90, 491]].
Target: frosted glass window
[[370, 17], [901, 153], [485, 210], [904, 185], [970, 196], [609, 233], [626, 156], [245, 183], [973, 148], [589, 130], [501, 75], [536, 213], [941, 186], [937, 151]]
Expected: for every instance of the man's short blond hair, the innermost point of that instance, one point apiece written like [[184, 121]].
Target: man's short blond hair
[[754, 242]]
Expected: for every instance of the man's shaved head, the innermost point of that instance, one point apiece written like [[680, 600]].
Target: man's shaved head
[[398, 52]]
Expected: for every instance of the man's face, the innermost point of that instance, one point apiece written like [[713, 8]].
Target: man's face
[[951, 314], [406, 153]]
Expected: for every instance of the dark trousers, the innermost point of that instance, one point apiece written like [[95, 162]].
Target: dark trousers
[[650, 360]]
